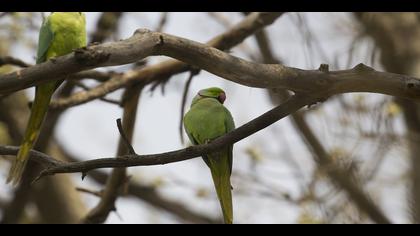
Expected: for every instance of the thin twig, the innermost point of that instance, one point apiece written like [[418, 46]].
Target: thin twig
[[13, 61], [86, 88], [94, 193], [162, 21], [38, 157], [124, 138], [236, 135]]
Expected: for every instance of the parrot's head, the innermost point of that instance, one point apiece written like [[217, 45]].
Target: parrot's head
[[213, 92]]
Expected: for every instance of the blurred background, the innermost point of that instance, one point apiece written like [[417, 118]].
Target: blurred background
[[278, 174]]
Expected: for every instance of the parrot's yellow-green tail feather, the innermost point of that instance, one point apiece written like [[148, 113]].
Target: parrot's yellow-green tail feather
[[19, 164], [224, 193], [221, 179], [38, 112]]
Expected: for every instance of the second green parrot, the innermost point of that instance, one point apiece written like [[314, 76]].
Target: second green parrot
[[60, 34], [206, 120]]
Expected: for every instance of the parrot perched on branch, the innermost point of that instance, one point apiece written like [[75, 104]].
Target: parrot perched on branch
[[206, 120], [60, 34]]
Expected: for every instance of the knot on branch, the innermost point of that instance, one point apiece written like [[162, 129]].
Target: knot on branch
[[161, 41], [363, 68], [324, 68], [90, 57]]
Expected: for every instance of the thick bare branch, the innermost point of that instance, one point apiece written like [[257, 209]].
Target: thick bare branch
[[237, 34], [319, 83], [165, 69]]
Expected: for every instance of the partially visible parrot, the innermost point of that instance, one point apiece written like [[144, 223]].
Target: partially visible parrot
[[60, 34], [206, 120]]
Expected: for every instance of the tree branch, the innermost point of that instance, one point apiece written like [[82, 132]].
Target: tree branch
[[224, 41], [165, 69], [319, 83], [13, 61], [93, 74], [293, 104]]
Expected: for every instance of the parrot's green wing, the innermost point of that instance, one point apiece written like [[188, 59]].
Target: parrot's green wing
[[195, 141], [229, 126], [46, 36]]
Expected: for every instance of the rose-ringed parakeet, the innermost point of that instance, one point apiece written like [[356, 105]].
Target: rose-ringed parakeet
[[60, 34], [206, 120]]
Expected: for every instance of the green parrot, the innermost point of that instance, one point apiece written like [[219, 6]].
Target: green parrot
[[206, 120], [60, 34]]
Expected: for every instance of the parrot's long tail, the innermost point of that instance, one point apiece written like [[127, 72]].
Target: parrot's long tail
[[220, 171], [39, 110]]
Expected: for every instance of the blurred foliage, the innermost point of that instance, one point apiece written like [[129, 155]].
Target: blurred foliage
[[202, 193], [306, 217], [5, 69], [4, 134], [392, 109]]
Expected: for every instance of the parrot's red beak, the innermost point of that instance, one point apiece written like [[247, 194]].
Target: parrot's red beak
[[221, 98]]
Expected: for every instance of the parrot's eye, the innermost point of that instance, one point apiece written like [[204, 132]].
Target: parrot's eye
[[221, 98]]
